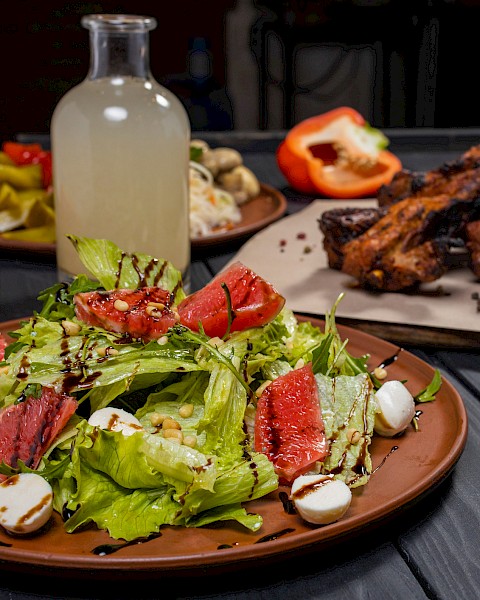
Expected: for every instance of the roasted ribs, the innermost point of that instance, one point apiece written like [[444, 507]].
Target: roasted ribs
[[459, 179], [407, 239]]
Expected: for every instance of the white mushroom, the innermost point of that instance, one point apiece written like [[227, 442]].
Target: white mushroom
[[241, 183]]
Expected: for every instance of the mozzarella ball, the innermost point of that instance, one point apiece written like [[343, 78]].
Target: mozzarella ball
[[320, 499], [26, 503], [396, 408], [115, 419]]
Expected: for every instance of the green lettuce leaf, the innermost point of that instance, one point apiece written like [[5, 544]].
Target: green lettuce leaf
[[117, 269]]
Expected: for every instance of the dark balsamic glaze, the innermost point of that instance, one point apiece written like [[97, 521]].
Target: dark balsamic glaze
[[305, 490], [23, 370], [160, 273], [149, 268], [288, 505], [67, 513], [390, 359], [392, 450], [5, 544], [274, 536], [119, 270], [105, 549]]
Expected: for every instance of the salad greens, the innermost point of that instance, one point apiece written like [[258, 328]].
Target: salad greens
[[133, 485]]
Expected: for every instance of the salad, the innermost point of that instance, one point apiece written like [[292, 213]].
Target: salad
[[128, 397]]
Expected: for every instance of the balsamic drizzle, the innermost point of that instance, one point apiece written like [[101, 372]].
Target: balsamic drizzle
[[274, 536], [105, 549], [392, 450], [390, 359]]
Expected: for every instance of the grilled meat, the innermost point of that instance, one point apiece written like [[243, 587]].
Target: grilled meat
[[406, 240], [473, 244], [341, 225], [459, 179], [408, 245]]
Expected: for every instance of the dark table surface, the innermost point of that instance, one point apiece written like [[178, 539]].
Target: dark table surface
[[429, 550]]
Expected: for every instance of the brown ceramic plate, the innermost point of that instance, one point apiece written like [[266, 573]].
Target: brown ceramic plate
[[259, 212], [26, 247], [400, 478]]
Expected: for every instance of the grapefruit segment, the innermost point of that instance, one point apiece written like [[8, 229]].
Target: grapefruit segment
[[254, 302], [289, 426]]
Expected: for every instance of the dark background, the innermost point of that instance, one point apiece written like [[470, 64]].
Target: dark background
[[45, 51]]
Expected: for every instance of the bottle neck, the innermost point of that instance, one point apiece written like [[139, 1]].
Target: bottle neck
[[119, 53]]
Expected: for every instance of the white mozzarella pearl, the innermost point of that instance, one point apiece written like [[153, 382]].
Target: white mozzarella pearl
[[26, 503], [320, 499], [115, 419], [396, 408]]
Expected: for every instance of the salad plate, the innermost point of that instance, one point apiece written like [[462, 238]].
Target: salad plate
[[405, 469], [257, 213]]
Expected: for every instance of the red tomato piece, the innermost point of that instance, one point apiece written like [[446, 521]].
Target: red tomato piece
[[289, 426], [254, 302], [143, 313]]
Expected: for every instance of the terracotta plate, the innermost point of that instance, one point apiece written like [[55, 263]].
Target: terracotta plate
[[259, 212], [400, 477], [22, 246]]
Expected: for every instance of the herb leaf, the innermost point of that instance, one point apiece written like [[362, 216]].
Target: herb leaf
[[428, 394]]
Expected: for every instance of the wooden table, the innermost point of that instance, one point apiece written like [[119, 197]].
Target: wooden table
[[428, 551]]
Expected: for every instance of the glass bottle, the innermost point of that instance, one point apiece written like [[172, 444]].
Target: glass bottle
[[120, 148]]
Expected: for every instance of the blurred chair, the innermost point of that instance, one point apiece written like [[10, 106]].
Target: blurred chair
[[398, 32]]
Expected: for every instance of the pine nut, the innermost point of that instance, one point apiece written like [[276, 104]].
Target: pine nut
[[107, 351], [190, 441], [121, 305], [353, 435], [170, 423], [157, 419], [380, 373], [162, 340], [158, 305], [186, 410], [71, 328], [173, 434]]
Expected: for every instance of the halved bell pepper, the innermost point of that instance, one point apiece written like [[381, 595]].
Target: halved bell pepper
[[337, 155]]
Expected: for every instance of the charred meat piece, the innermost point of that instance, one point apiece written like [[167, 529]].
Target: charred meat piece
[[340, 225], [472, 231], [459, 179], [408, 245]]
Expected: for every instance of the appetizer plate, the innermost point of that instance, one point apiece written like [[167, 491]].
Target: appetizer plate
[[404, 470], [27, 247], [257, 213]]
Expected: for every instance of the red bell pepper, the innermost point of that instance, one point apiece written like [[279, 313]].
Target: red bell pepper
[[337, 155], [31, 154]]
